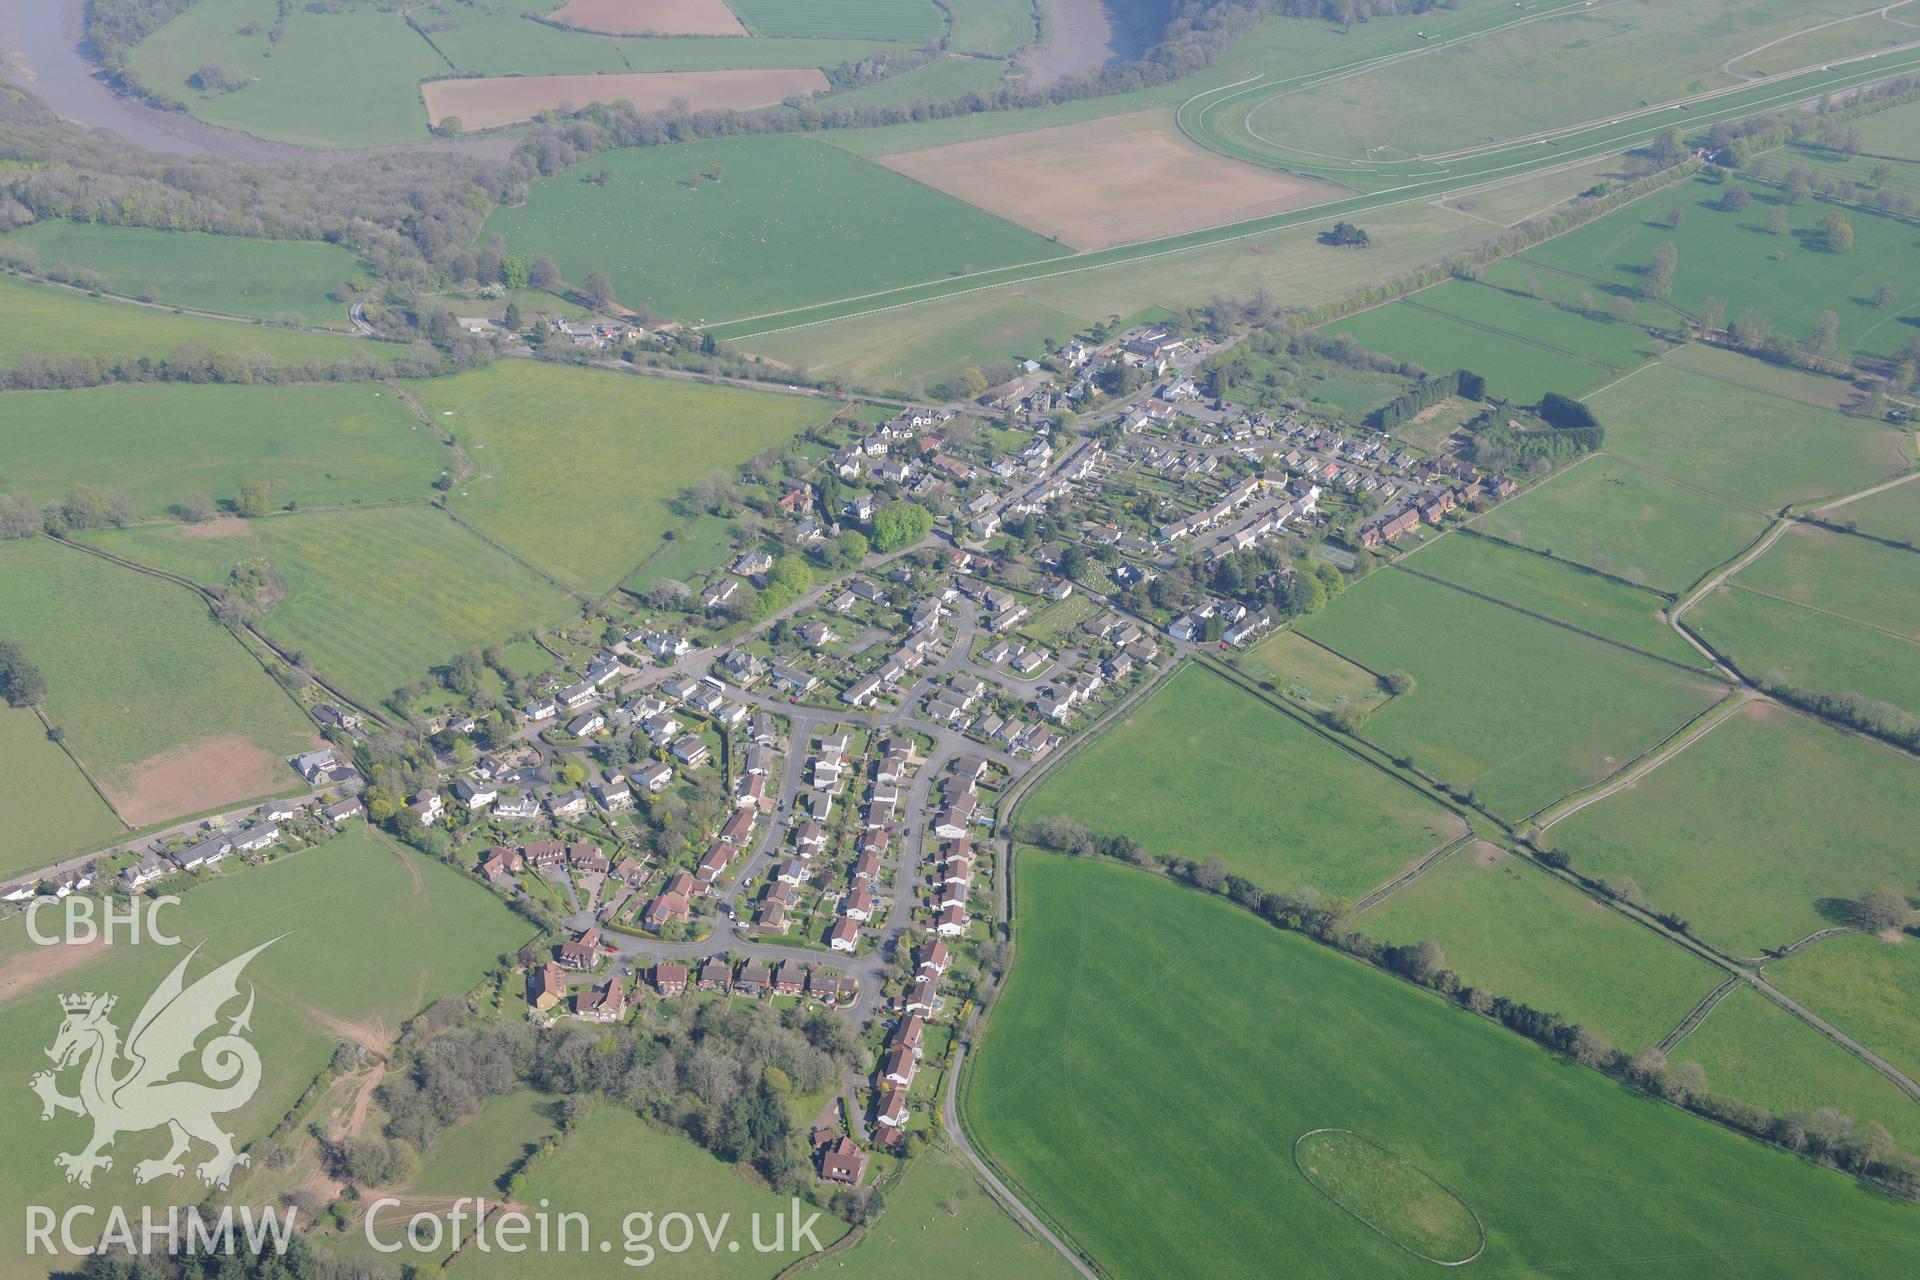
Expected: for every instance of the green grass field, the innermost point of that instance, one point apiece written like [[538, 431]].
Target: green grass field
[[1511, 928], [1148, 1142], [661, 1173], [1202, 769], [1390, 1194], [1580, 66], [374, 598], [50, 806], [1789, 278], [315, 445], [1748, 447], [1601, 605], [1519, 711], [1293, 662], [1440, 343], [792, 220], [1760, 1053], [271, 279], [1893, 513], [1776, 640], [1625, 521], [140, 677], [1758, 375], [590, 511], [992, 26], [1850, 578], [1863, 985], [367, 937], [941, 1221], [942, 80], [1621, 346], [1757, 831], [474, 1157], [914, 20], [292, 91], [699, 546], [49, 320]]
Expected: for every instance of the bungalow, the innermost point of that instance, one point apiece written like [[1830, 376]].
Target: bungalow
[[315, 765], [143, 873], [897, 1068], [826, 986], [910, 1035], [344, 810], [476, 796], [204, 854], [517, 808], [762, 731], [794, 680], [713, 863], [750, 792], [580, 952], [670, 979], [752, 564], [690, 751], [844, 936], [950, 825], [759, 759], [605, 1003], [742, 666], [500, 864], [893, 1112], [261, 835], [546, 987], [862, 692], [578, 695], [669, 908], [660, 727], [666, 644], [755, 978], [601, 670], [328, 714], [738, 829], [719, 594], [923, 997], [614, 795], [540, 709], [587, 722]]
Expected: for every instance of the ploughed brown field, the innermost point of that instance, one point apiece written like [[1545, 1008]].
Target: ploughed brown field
[[1107, 182], [659, 17], [497, 100], [196, 777]]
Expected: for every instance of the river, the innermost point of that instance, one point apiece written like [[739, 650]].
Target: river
[[1085, 35]]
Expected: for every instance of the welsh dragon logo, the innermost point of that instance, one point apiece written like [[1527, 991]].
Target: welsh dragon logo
[[144, 1094]]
